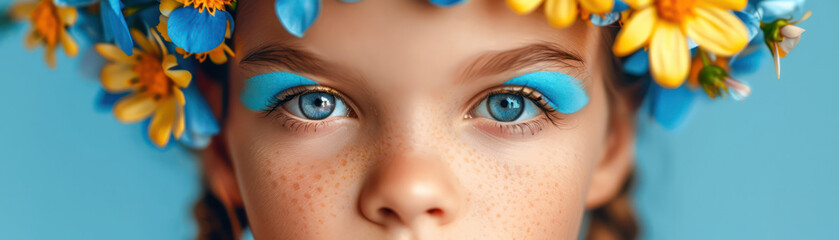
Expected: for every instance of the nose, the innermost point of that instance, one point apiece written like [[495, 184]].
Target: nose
[[404, 190]]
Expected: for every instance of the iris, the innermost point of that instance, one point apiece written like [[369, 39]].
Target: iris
[[317, 105], [505, 107]]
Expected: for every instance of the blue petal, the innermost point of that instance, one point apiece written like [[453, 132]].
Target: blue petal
[[749, 60], [620, 6], [199, 116], [671, 107], [770, 10], [637, 64], [446, 3], [297, 15], [114, 25], [195, 31], [105, 101], [610, 18], [87, 30], [75, 3], [751, 21]]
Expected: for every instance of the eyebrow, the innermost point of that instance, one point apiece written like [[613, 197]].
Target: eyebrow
[[283, 55], [505, 61]]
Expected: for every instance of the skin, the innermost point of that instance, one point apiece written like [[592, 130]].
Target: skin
[[410, 164]]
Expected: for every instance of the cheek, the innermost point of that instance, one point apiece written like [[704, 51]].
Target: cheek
[[291, 188]]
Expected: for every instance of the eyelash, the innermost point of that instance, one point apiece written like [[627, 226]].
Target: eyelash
[[294, 123], [533, 126]]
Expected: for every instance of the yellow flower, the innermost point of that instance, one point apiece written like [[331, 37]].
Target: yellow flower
[[167, 6], [664, 25], [562, 13], [50, 24], [155, 87]]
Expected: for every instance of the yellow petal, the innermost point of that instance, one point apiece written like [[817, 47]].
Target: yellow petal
[[561, 13], [117, 78], [69, 45], [167, 6], [49, 56], [134, 108], [597, 6], [717, 31], [636, 32], [638, 4], [524, 6], [68, 15], [20, 11], [669, 55], [728, 4], [143, 42], [180, 120], [32, 40], [161, 124], [180, 99], [113, 53], [181, 78], [161, 28]]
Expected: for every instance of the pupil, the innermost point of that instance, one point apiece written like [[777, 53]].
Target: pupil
[[317, 105], [505, 107]]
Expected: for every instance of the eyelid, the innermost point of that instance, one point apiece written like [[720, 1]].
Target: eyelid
[[563, 92], [261, 91]]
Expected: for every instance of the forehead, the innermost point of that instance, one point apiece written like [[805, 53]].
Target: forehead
[[405, 38]]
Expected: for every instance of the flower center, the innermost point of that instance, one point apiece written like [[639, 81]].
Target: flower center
[[675, 10], [47, 22], [150, 76], [210, 5]]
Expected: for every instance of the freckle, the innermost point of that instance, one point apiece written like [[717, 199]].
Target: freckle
[[296, 186], [300, 177], [274, 184], [322, 204], [308, 196], [337, 184], [331, 172], [344, 162], [282, 177], [294, 201], [300, 209], [320, 189], [317, 177]]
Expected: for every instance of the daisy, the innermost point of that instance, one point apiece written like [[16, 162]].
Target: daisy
[[562, 13]]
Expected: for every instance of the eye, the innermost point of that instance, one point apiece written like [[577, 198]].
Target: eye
[[316, 106], [507, 107]]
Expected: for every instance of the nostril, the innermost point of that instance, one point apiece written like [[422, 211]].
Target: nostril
[[435, 212], [388, 213]]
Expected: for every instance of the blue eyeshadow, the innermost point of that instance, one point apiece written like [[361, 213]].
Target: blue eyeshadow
[[562, 91], [260, 90]]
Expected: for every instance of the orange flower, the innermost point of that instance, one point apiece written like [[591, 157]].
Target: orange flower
[[50, 23]]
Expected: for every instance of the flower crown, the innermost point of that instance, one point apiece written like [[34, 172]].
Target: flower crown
[[151, 48]]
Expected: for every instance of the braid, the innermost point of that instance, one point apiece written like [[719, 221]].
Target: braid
[[615, 219]]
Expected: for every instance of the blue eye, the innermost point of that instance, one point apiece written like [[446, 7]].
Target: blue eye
[[316, 106], [507, 107]]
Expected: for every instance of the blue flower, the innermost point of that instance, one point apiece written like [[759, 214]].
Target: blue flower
[[198, 31], [114, 26]]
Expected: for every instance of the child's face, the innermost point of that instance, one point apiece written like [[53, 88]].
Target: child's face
[[417, 151]]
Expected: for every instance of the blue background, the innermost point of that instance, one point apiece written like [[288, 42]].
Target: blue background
[[761, 169]]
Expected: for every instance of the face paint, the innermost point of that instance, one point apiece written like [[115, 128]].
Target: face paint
[[260, 90], [562, 91]]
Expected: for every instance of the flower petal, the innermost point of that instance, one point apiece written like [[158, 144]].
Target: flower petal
[[597, 6], [180, 122], [728, 4], [717, 31], [71, 48], [297, 15], [524, 6], [143, 42], [197, 32], [791, 31], [669, 55], [68, 15], [161, 124], [114, 25], [638, 4], [561, 13], [167, 6], [75, 3], [117, 77], [636, 32], [134, 107], [112, 53], [671, 107], [446, 3]]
